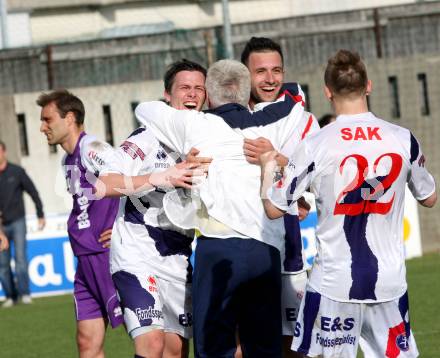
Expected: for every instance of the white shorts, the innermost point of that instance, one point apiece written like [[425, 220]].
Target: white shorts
[[150, 302], [333, 329], [292, 292]]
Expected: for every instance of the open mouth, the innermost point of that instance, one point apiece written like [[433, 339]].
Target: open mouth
[[190, 105], [268, 89]]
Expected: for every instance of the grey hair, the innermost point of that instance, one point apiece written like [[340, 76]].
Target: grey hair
[[228, 81]]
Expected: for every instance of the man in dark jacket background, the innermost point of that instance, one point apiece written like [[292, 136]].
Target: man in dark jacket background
[[13, 182]]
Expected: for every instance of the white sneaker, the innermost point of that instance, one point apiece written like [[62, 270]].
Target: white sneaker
[[26, 299], [8, 303]]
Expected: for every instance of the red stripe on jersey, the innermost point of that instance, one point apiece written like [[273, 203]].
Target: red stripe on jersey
[[298, 98], [308, 126]]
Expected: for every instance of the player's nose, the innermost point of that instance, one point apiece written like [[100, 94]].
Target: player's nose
[[43, 127], [269, 77], [192, 93]]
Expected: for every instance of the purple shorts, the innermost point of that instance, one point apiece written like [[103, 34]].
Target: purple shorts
[[94, 292]]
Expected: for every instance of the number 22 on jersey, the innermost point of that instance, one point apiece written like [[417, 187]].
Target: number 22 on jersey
[[361, 195]]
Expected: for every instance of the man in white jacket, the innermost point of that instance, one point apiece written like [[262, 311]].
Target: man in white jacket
[[237, 261]]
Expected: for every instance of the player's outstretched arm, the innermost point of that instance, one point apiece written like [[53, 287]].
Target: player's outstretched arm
[[182, 175]]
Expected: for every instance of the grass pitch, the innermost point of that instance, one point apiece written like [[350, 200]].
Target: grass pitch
[[47, 327]]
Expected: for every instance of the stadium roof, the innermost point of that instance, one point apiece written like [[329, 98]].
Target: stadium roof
[[53, 4]]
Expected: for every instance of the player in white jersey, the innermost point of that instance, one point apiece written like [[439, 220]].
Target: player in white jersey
[[149, 255], [358, 168], [264, 59], [230, 285]]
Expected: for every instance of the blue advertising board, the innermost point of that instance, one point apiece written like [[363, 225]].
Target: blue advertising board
[[52, 263], [51, 266], [50, 257]]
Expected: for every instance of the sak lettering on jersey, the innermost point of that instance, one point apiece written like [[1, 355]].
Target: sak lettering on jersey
[[360, 133]]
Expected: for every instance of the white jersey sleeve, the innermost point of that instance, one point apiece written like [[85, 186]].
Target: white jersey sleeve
[[420, 181], [298, 176], [168, 124], [133, 155], [306, 126], [95, 154]]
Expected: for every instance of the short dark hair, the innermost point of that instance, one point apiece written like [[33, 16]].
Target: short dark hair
[[346, 74], [178, 66], [260, 44], [65, 102], [3, 145]]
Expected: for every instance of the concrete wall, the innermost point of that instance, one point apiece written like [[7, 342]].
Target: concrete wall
[[9, 128]]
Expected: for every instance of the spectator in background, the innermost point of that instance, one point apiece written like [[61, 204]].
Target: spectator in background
[[13, 181], [326, 119], [4, 243]]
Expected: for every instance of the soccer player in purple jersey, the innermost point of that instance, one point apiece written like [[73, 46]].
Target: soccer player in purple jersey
[[96, 304], [358, 168]]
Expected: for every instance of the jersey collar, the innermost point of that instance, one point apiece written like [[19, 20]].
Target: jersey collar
[[358, 116]]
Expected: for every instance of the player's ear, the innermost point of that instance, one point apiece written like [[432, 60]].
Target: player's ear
[[369, 87], [70, 118], [328, 93], [167, 96], [207, 101]]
